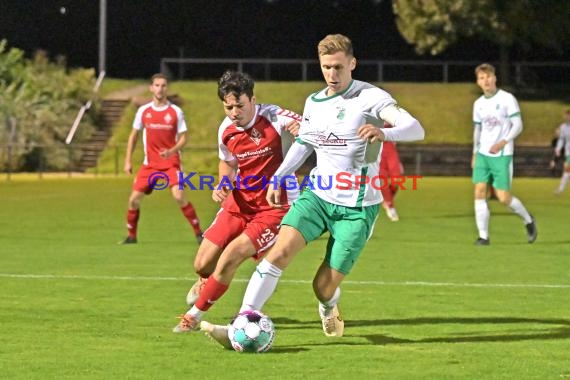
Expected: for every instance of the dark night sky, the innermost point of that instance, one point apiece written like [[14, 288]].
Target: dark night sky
[[139, 33]]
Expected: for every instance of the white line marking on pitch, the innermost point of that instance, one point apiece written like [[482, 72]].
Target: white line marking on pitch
[[379, 283]]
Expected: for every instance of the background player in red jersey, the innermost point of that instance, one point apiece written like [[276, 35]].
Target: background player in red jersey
[[390, 167], [252, 140], [164, 134]]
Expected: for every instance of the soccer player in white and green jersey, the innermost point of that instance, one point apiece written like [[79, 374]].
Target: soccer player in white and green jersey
[[497, 122], [341, 123]]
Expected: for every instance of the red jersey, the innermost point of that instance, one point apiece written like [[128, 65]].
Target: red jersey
[[259, 149], [161, 127]]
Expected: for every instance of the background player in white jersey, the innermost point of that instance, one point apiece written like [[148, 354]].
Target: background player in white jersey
[[564, 143], [252, 140], [341, 123], [497, 122], [164, 135]]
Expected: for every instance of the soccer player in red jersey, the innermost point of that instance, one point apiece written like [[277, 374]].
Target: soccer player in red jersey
[[390, 167], [164, 134], [252, 140]]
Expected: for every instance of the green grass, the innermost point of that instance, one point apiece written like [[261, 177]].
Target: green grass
[[422, 301], [444, 110]]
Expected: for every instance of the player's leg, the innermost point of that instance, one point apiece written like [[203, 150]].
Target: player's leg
[[141, 187], [204, 264], [303, 223], [480, 178], [394, 170], [239, 250], [186, 206], [264, 280], [347, 240], [223, 230], [564, 178], [133, 215], [502, 169], [326, 286]]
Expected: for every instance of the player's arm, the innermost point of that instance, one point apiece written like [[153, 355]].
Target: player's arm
[[404, 126], [559, 144], [296, 156], [514, 131], [131, 145], [180, 143], [227, 171], [476, 141], [289, 120]]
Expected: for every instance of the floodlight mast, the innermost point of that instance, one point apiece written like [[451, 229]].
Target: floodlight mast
[[102, 34]]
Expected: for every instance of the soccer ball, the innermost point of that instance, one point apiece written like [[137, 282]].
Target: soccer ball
[[251, 331]]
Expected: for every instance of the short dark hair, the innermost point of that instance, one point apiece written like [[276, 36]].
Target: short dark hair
[[235, 83]]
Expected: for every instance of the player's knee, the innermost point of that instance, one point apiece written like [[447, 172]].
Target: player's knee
[[203, 267]]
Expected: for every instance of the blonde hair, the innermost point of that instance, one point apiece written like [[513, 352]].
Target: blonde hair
[[486, 68], [333, 43]]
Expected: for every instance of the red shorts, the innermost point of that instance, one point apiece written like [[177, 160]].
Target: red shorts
[[261, 228], [149, 179]]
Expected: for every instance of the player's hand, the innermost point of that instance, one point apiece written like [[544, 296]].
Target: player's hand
[[165, 153], [128, 168], [473, 161], [293, 128], [557, 152], [274, 197], [371, 133], [496, 148], [220, 195]]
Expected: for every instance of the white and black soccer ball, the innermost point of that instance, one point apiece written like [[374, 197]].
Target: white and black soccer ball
[[251, 331]]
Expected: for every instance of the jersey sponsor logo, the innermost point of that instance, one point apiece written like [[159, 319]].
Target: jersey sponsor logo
[[330, 140], [159, 126], [256, 153], [255, 136], [492, 121]]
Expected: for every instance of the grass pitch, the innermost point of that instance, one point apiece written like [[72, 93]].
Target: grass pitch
[[421, 303]]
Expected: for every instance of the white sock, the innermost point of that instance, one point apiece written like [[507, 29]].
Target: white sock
[[482, 214], [517, 207], [261, 286], [563, 182], [195, 312], [325, 309]]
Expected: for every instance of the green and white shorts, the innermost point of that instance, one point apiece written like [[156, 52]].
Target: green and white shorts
[[497, 171], [349, 227]]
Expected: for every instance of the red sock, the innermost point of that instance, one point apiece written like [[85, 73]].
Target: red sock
[[132, 222], [213, 291], [190, 214], [388, 196]]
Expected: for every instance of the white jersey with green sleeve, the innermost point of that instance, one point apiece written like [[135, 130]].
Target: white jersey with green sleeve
[[493, 122], [330, 125]]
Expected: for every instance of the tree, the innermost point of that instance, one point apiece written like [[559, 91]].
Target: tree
[[434, 25], [38, 103]]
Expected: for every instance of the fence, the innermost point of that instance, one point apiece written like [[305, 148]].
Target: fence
[[524, 73], [418, 159]]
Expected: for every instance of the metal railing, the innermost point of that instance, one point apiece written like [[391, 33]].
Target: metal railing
[[369, 70], [418, 159]]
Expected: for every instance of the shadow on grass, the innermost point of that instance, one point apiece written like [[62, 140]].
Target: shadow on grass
[[562, 331]]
